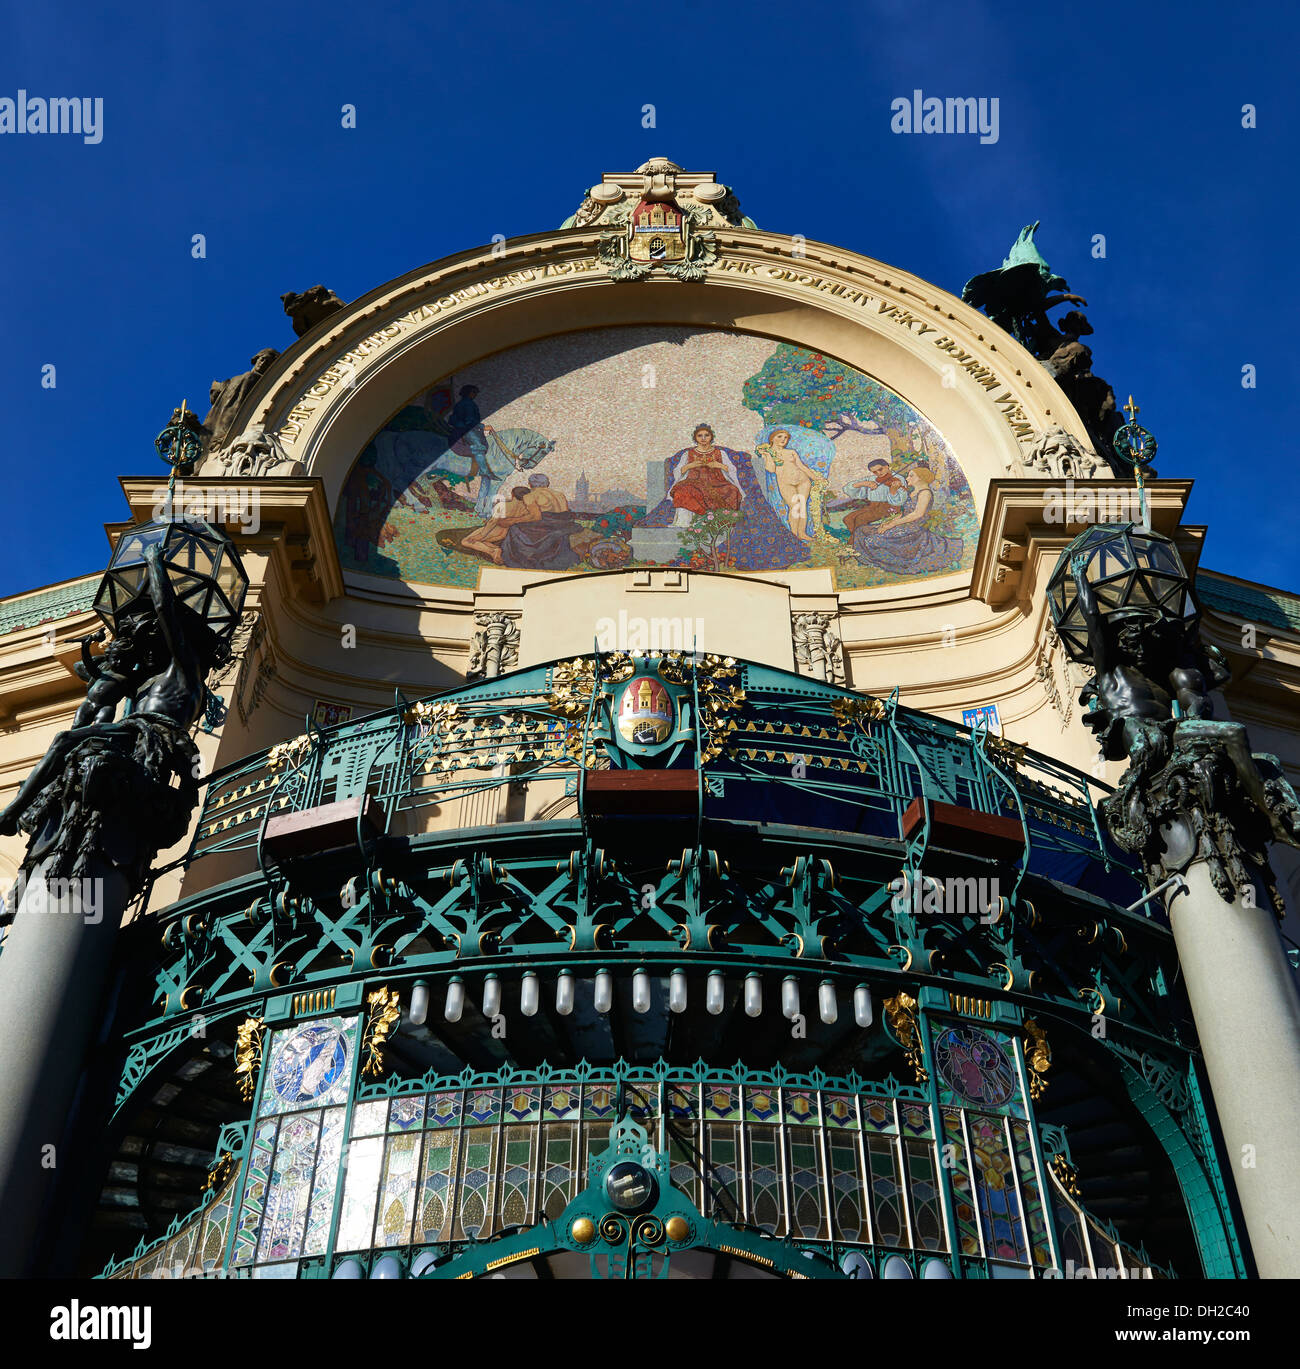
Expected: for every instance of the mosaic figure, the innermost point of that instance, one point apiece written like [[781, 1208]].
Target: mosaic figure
[[907, 541], [455, 480]]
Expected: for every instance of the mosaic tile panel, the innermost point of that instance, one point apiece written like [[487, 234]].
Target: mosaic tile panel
[[650, 445]]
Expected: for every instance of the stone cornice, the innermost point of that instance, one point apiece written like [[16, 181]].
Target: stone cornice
[[1015, 534], [292, 522]]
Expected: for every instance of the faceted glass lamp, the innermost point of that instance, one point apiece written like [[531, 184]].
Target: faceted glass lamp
[[200, 561], [1132, 571]]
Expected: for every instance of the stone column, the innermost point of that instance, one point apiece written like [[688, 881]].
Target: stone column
[[1203, 808], [53, 970], [1243, 996]]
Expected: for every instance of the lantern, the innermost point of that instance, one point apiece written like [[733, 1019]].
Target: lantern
[[199, 560], [1132, 571]]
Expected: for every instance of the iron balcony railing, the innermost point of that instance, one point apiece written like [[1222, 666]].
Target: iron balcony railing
[[770, 747]]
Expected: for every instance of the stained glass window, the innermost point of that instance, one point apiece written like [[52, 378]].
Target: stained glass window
[[309, 1066], [995, 1186], [723, 1198], [848, 1190], [478, 1177], [398, 1189], [289, 1189], [517, 1176], [806, 1198], [559, 1167], [972, 1066], [1036, 1218], [462, 1163], [958, 1166], [441, 1163], [360, 1193], [886, 1191], [259, 1173], [766, 1198], [927, 1204]]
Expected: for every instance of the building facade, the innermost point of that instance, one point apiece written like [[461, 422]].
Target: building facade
[[646, 825]]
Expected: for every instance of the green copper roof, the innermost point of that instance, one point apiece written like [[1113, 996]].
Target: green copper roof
[[45, 605], [1274, 607]]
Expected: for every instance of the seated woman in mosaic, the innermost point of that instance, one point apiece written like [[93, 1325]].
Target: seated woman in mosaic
[[705, 478], [908, 543]]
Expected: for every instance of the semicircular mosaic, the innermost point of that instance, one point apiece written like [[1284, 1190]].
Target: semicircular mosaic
[[657, 446]]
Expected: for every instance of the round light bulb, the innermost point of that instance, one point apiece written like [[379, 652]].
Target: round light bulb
[[564, 993], [641, 991], [753, 994], [419, 1003], [491, 996], [827, 1007], [455, 999], [528, 994]]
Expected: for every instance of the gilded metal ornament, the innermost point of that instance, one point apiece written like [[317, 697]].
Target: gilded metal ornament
[[383, 1011], [248, 1055], [1067, 1173], [901, 1019], [1038, 1058]]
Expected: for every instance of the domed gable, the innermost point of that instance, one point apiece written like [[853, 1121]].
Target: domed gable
[[659, 384]]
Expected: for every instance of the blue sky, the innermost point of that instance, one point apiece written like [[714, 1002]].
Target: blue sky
[[225, 120]]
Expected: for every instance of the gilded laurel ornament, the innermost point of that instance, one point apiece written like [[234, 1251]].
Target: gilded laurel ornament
[[383, 1010], [248, 1055], [901, 1019], [1038, 1058]]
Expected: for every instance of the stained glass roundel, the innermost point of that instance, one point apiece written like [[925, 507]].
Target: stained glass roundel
[[973, 1065], [309, 1063]]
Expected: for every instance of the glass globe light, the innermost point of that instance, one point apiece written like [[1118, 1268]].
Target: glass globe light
[[198, 559], [1132, 571]]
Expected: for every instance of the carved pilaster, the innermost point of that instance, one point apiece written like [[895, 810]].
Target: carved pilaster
[[1052, 669], [494, 649], [257, 668], [818, 650]]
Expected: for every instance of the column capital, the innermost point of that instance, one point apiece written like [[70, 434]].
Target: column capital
[[1196, 792]]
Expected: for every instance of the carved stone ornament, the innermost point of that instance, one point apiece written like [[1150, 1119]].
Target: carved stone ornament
[[227, 398], [658, 234], [1060, 456], [1196, 792], [494, 649], [818, 650], [256, 453], [310, 307]]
